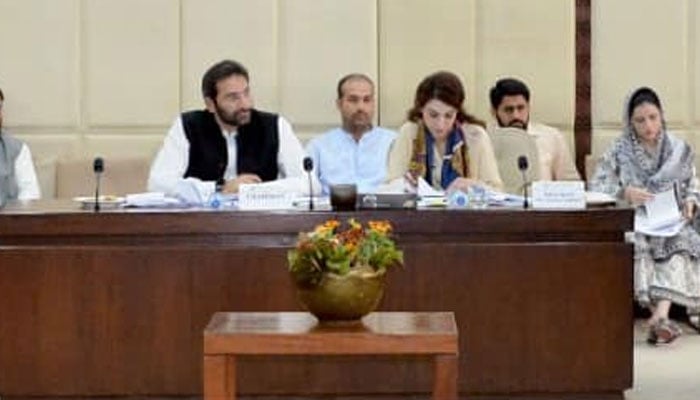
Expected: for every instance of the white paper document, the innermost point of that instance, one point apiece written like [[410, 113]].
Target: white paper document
[[505, 199], [150, 199], [597, 198], [428, 197], [425, 190], [661, 216]]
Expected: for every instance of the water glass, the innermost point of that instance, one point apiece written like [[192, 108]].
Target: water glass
[[478, 196]]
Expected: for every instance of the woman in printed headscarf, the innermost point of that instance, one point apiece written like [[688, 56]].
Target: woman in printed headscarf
[[643, 161], [441, 142]]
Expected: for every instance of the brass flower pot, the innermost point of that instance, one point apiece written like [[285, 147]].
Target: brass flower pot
[[344, 297]]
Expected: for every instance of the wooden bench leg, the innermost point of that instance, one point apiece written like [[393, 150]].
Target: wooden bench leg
[[219, 377], [445, 379]]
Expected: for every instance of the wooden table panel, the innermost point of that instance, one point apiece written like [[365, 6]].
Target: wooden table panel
[[230, 335], [114, 303], [91, 320]]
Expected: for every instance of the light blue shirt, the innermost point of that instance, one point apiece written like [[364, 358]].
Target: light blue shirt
[[338, 158]]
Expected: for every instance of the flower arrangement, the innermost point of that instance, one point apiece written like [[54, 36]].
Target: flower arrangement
[[337, 249]]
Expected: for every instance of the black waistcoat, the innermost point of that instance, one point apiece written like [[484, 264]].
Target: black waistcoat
[[257, 146]]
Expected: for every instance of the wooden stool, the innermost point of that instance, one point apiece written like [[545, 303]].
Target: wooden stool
[[296, 333]]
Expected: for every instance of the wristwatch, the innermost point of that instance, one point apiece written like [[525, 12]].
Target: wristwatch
[[220, 185]]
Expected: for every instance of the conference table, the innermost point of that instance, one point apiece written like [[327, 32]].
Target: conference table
[[115, 303]]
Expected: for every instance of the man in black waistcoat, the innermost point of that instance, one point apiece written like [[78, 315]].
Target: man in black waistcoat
[[228, 144]]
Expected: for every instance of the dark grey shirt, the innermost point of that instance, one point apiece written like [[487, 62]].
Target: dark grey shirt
[[9, 150]]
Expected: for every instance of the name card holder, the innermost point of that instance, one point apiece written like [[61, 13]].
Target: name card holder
[[260, 197], [558, 195]]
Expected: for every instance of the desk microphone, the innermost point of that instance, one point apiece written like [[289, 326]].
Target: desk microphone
[[308, 166], [98, 166], [522, 166]]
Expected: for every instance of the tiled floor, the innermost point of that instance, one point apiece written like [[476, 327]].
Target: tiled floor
[[666, 372], [669, 372]]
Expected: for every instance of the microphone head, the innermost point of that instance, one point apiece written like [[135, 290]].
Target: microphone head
[[522, 163], [308, 164], [98, 165]]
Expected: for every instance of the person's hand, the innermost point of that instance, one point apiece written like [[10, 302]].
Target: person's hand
[[410, 179], [689, 208], [637, 196], [462, 184], [232, 185]]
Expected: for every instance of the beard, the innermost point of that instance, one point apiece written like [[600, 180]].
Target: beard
[[235, 118], [514, 123], [358, 122]]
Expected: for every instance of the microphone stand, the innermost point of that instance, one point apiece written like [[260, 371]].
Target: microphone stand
[[311, 193], [522, 166], [98, 167], [526, 184], [308, 165], [97, 191]]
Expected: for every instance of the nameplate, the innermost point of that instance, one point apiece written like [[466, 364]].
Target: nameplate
[[261, 197], [558, 195]]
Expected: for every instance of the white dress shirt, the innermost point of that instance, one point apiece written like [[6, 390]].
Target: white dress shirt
[[26, 175], [169, 167]]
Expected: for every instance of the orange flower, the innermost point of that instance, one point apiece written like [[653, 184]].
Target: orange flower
[[350, 247], [354, 225], [327, 227], [383, 227]]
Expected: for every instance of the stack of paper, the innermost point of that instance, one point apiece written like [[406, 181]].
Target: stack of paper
[[150, 199], [598, 198], [660, 216], [505, 199]]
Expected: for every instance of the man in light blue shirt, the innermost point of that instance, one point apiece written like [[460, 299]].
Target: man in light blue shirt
[[357, 152]]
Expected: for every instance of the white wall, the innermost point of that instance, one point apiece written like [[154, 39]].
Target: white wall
[[652, 43], [108, 76]]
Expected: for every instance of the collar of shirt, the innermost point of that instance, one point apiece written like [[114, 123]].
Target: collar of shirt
[[229, 134], [350, 136], [232, 149]]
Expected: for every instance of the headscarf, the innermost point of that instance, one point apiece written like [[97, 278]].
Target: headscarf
[[629, 163], [455, 161], [672, 162]]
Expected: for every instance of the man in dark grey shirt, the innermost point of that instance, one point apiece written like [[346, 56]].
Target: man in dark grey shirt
[[17, 175]]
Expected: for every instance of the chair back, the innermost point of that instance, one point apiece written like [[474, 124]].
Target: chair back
[[75, 177], [509, 144]]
